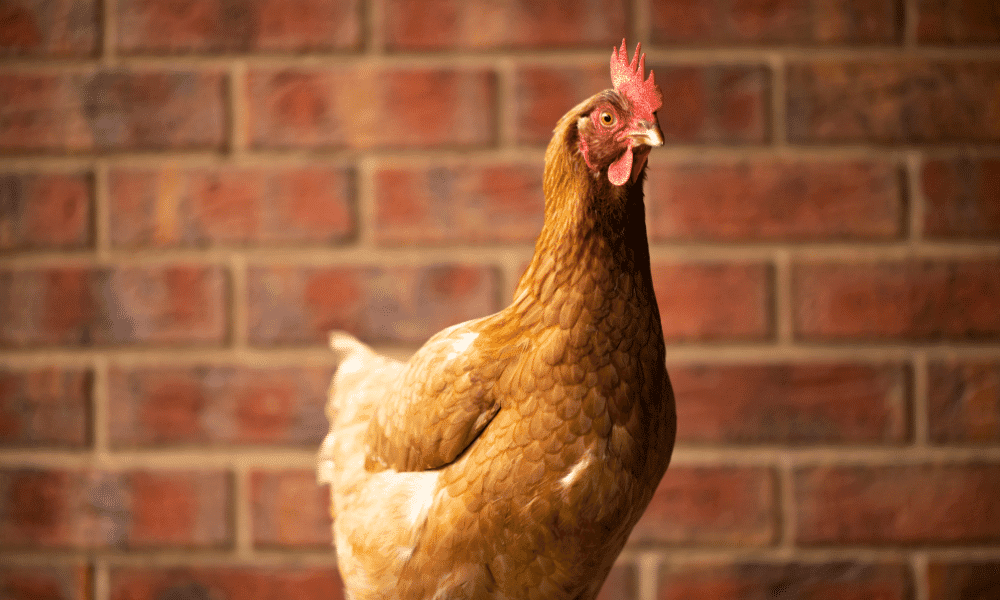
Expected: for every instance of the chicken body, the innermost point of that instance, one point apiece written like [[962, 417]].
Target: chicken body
[[511, 456]]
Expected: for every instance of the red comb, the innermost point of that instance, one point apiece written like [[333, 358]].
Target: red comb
[[627, 78]]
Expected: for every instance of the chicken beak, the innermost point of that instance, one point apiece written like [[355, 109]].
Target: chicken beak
[[647, 136]]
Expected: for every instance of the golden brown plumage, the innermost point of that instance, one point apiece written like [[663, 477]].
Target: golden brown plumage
[[511, 456]]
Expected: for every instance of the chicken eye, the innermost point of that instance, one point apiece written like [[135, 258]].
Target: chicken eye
[[607, 119]]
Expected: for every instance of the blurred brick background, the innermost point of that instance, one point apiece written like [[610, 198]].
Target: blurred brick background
[[192, 192]]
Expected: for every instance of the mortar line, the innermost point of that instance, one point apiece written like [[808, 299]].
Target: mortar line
[[641, 24], [238, 300], [647, 565], [919, 403], [109, 32], [781, 304], [365, 245], [101, 219], [100, 411], [910, 21], [918, 563], [237, 110], [101, 585], [373, 19], [916, 204], [778, 96], [787, 513], [242, 515], [506, 104]]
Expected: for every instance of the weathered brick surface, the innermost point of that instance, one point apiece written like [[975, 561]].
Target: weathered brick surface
[[757, 201], [784, 21], [713, 301], [290, 510], [962, 198], [111, 110], [45, 211], [713, 104], [198, 207], [461, 203], [217, 405], [360, 108], [621, 584], [45, 407], [792, 403], [49, 28], [963, 401], [719, 506], [958, 22], [69, 509], [251, 582], [78, 306], [793, 581], [898, 504], [892, 102], [71, 581], [913, 300], [453, 24], [301, 305], [155, 26], [973, 580]]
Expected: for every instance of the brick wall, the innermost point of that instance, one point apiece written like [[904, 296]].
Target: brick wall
[[193, 193]]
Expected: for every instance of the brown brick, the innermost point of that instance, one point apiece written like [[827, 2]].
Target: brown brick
[[370, 108], [962, 198], [963, 580], [912, 504], [45, 407], [729, 506], [911, 300], [713, 301], [794, 201], [199, 207], [462, 203], [301, 305], [213, 26], [112, 110], [45, 210], [290, 510], [61, 509], [453, 24], [171, 304], [217, 405], [792, 403], [713, 104], [893, 102], [254, 582], [46, 582], [622, 583], [49, 28], [958, 21], [964, 402], [793, 581], [782, 21]]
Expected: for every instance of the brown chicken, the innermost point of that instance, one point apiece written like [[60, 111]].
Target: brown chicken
[[511, 456]]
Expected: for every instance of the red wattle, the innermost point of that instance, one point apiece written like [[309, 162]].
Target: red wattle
[[619, 170]]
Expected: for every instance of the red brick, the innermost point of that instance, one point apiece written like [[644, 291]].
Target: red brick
[[911, 300], [112, 110], [198, 207], [290, 510], [170, 304], [217, 405], [461, 203], [213, 26], [370, 108], [301, 305], [958, 22], [794, 201], [911, 504], [713, 301], [254, 582], [728, 506], [962, 198], [45, 407], [49, 28], [964, 402], [782, 21], [62, 509], [453, 24], [792, 403], [974, 580], [45, 210], [792, 581], [714, 104], [48, 582], [893, 101], [622, 583]]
